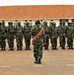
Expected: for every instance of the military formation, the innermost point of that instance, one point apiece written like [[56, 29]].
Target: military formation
[[41, 33]]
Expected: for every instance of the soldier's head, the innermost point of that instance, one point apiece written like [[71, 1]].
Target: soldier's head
[[19, 24], [9, 23], [69, 24], [37, 22], [54, 24], [15, 20], [45, 23], [25, 20], [3, 23], [60, 23], [27, 24]]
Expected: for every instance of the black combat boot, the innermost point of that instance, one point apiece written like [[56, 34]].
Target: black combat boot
[[39, 61], [4, 49], [1, 49], [36, 60], [71, 47], [46, 48], [63, 47], [56, 48]]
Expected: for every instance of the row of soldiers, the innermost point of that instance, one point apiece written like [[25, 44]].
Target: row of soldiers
[[10, 32]]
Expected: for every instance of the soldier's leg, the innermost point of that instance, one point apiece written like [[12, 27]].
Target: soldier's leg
[[9, 43], [52, 42], [35, 54], [68, 41], [3, 45], [60, 40], [71, 43], [63, 43], [26, 44], [55, 43], [29, 44], [40, 54], [21, 45], [47, 43]]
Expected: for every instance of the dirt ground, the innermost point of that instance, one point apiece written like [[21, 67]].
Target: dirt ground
[[54, 62]]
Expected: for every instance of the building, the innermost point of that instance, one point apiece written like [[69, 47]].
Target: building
[[56, 13]]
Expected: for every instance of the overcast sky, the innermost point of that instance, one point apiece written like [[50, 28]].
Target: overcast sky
[[35, 2]]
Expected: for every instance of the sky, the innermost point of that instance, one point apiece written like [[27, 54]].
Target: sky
[[35, 2]]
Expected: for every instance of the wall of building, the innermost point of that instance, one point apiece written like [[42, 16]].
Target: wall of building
[[33, 21]]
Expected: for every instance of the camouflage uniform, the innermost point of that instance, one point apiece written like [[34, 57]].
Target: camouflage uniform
[[3, 35], [54, 36], [27, 35], [11, 33], [47, 34], [19, 36], [38, 42], [70, 36], [62, 35]]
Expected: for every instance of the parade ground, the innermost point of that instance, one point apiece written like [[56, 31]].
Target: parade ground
[[54, 62]]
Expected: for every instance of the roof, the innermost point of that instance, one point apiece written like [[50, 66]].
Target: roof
[[37, 12]]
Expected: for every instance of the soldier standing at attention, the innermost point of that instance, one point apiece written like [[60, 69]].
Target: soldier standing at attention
[[70, 32], [37, 32], [54, 36], [11, 33], [62, 35], [19, 36], [3, 34], [47, 34], [27, 35]]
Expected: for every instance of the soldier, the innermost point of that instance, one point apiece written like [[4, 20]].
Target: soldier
[[19, 36], [37, 34], [54, 36], [0, 35], [27, 35], [47, 34], [10, 35], [62, 35], [70, 31], [3, 35]]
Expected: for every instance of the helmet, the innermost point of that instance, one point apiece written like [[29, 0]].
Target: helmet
[[37, 22], [45, 23], [19, 23]]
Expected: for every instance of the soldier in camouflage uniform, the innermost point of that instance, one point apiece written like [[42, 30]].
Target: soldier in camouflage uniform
[[38, 42], [47, 34], [70, 32], [3, 35], [11, 33], [54, 36], [62, 35], [19, 36], [27, 35]]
